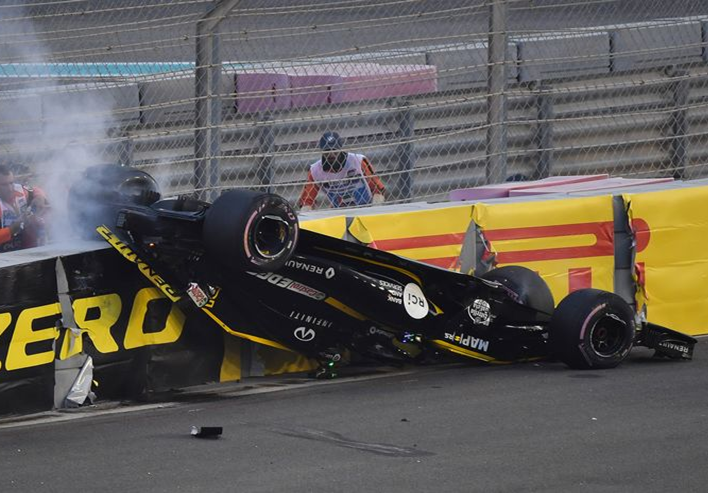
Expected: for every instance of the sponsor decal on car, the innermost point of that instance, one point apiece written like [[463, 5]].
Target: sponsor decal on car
[[375, 331], [144, 268], [395, 291], [674, 346], [414, 301], [307, 267], [197, 294], [480, 312], [310, 319], [329, 273], [289, 284], [395, 299], [304, 334], [468, 341]]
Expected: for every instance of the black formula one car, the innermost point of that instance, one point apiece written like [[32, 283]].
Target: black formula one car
[[245, 262]]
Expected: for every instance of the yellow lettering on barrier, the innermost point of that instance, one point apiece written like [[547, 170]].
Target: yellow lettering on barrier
[[99, 328], [26, 335], [135, 335], [5, 319]]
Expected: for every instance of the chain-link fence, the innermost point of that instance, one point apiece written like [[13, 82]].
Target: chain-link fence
[[439, 95]]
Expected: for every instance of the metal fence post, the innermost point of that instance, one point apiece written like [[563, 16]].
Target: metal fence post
[[207, 91], [544, 133], [496, 98], [405, 151], [266, 148], [680, 89], [126, 150]]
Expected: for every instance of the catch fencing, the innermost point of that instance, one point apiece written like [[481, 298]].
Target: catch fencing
[[207, 95]]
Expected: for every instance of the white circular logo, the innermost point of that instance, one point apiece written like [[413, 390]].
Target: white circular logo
[[304, 334], [329, 273], [480, 312], [414, 301]]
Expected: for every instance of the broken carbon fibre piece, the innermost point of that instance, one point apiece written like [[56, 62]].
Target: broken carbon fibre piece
[[207, 431]]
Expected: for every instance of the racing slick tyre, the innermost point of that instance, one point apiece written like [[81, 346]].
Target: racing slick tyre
[[525, 285], [244, 229], [592, 329]]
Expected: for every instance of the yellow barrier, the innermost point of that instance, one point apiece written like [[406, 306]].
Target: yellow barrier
[[569, 242], [330, 226], [432, 236], [671, 264]]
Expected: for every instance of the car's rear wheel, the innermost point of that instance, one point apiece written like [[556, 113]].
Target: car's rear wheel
[[592, 329], [524, 286], [247, 229]]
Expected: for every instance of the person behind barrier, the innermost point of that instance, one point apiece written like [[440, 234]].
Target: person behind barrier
[[21, 213], [347, 179]]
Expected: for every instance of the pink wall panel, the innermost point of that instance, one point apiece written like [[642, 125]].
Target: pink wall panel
[[499, 190], [262, 92]]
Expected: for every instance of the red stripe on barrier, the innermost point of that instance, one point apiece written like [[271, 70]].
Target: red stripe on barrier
[[642, 233], [602, 231], [580, 278], [419, 242], [640, 270], [444, 262]]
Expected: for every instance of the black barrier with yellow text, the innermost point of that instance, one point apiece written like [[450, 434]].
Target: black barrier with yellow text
[[29, 311], [139, 339]]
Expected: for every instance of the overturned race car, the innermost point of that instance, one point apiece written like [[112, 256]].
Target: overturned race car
[[244, 261]]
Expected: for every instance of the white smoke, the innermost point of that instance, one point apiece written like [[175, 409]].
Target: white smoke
[[56, 129]]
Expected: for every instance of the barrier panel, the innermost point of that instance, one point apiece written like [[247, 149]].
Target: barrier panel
[[138, 339], [671, 267], [28, 312], [431, 236], [570, 243]]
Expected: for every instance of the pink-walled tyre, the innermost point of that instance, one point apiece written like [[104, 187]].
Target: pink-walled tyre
[[244, 229], [592, 329]]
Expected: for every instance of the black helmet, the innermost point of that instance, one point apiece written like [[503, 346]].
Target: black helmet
[[103, 190], [331, 141]]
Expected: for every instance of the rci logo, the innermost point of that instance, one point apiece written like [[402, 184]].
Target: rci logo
[[304, 334]]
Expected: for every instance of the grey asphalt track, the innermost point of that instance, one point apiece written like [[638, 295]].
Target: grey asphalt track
[[461, 428]]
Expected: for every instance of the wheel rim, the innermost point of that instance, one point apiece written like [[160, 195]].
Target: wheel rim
[[271, 236], [607, 336]]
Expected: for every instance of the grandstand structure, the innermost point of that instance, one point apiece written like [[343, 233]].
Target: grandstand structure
[[209, 95]]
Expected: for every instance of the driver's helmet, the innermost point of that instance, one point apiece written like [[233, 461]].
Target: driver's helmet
[[102, 190], [131, 185]]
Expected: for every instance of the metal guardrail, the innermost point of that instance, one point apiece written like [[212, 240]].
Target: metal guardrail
[[585, 100], [555, 128]]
